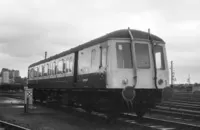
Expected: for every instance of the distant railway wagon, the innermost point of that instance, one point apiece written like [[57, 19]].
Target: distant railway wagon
[[125, 70], [8, 87]]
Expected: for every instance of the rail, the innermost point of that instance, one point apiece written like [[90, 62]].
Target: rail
[[9, 126]]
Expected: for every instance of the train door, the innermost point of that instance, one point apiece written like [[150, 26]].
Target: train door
[[120, 68], [103, 67], [92, 67], [75, 68], [161, 66], [144, 65]]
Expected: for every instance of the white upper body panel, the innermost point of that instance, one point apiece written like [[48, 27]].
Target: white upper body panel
[[119, 72]]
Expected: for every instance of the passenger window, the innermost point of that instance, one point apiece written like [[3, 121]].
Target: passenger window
[[49, 69], [50, 64], [66, 65], [40, 70], [142, 55], [60, 67], [70, 64], [46, 69], [124, 56], [63, 66], [54, 68], [35, 72], [159, 57], [31, 73]]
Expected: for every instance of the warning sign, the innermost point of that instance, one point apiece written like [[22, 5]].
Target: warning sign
[[28, 95]]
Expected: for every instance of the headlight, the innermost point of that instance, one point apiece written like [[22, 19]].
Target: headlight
[[160, 81], [125, 81]]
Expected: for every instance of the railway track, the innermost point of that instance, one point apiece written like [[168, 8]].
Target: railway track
[[159, 123], [9, 126], [186, 110], [173, 108], [186, 96], [148, 122]]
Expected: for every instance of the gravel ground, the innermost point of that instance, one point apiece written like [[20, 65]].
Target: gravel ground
[[42, 118]]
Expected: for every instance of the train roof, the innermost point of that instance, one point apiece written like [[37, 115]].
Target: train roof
[[116, 34]]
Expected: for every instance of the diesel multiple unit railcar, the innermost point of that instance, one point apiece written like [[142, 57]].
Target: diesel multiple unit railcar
[[122, 71]]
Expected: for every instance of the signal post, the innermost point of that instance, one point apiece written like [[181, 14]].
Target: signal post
[[28, 98]]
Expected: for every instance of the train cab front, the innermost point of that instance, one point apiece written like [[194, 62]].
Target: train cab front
[[141, 70]]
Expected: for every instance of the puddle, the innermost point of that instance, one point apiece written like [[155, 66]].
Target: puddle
[[18, 106], [10, 101]]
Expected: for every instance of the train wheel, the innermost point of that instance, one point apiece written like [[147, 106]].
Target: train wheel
[[140, 113], [140, 110]]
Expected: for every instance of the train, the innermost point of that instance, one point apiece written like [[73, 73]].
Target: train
[[123, 71]]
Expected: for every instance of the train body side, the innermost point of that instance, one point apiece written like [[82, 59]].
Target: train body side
[[98, 67]]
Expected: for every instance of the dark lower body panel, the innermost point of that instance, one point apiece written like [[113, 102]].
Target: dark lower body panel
[[102, 100]]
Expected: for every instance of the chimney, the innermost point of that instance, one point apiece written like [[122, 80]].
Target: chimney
[[45, 55]]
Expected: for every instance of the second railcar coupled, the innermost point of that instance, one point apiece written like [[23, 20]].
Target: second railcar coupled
[[123, 71]]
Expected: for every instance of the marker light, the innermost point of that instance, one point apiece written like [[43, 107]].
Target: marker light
[[125, 81], [160, 81]]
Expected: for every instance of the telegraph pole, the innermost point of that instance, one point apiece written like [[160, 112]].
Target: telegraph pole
[[172, 73], [45, 55]]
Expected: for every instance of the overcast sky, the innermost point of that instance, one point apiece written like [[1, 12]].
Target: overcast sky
[[28, 28]]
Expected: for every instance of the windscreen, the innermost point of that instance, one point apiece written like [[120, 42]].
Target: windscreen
[[124, 58], [142, 56]]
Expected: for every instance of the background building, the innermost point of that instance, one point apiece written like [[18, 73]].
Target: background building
[[9, 76]]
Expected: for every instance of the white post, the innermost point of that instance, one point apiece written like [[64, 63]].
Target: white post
[[28, 98]]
